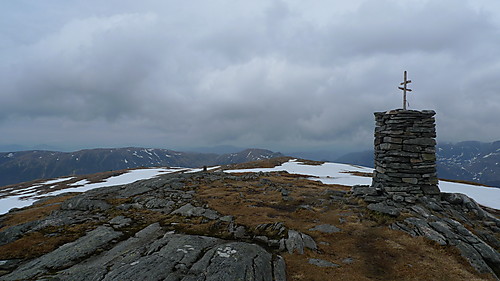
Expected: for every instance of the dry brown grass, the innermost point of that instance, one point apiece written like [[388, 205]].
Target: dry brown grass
[[35, 244], [41, 188], [378, 252], [33, 213], [359, 174]]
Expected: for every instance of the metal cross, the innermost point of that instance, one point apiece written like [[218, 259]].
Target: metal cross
[[404, 83]]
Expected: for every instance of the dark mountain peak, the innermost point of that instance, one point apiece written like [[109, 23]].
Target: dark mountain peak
[[247, 155]]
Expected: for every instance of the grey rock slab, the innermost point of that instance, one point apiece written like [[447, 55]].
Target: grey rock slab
[[82, 203], [384, 209], [403, 227], [490, 255], [233, 261], [163, 259], [14, 232], [189, 210], [474, 258], [9, 264], [326, 228], [226, 218], [133, 189], [309, 242], [279, 269], [66, 255], [296, 241], [120, 221], [420, 210], [158, 203], [433, 205], [444, 229], [125, 252], [425, 230], [358, 190], [153, 267], [430, 189], [322, 263], [239, 232]]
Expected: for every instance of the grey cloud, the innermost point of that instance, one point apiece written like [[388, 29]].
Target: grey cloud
[[258, 74]]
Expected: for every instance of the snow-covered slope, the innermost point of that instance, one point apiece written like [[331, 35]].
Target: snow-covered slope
[[328, 173], [19, 198], [333, 173]]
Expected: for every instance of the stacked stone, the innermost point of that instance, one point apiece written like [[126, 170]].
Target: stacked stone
[[405, 154]]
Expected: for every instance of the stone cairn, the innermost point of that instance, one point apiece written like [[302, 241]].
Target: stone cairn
[[405, 154]]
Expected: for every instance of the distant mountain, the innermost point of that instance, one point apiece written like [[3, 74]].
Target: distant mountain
[[319, 155], [363, 158], [16, 147], [22, 166], [470, 160]]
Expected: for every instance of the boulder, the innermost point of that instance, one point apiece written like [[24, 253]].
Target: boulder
[[66, 255], [297, 241]]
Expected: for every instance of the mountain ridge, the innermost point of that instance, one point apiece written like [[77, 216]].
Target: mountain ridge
[[24, 166]]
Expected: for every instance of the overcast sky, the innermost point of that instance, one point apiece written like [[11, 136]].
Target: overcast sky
[[284, 75]]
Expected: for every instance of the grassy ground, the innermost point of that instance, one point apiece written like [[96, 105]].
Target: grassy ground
[[377, 253]]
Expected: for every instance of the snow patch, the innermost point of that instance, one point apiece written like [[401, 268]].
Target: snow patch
[[333, 173], [487, 196], [15, 201], [80, 182], [327, 173], [126, 178], [489, 155]]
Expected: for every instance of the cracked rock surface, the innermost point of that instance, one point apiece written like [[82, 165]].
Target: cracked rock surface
[[445, 219], [124, 248]]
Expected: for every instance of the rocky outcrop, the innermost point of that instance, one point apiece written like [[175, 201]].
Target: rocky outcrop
[[153, 254], [122, 247], [66, 255], [447, 219]]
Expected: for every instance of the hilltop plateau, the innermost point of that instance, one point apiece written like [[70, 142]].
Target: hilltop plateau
[[277, 219]]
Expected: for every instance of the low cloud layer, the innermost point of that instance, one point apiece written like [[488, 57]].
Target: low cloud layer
[[277, 74]]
